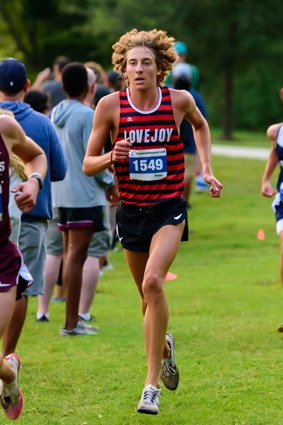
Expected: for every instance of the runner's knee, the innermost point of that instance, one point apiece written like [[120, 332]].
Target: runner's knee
[[152, 286], [77, 256]]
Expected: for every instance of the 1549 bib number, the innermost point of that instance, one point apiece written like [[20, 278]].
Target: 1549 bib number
[[148, 164]]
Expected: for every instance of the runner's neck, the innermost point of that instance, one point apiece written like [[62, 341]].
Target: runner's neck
[[144, 101]]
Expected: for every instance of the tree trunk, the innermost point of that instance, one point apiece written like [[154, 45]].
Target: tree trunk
[[228, 97]]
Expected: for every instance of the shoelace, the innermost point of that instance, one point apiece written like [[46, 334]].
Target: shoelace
[[167, 369], [81, 324], [10, 392], [150, 396]]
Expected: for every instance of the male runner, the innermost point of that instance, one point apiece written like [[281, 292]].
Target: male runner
[[275, 135], [149, 162], [14, 277]]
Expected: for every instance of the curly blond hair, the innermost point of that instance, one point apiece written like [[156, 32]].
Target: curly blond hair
[[16, 164], [157, 41]]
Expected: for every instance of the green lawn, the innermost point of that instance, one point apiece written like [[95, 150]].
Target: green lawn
[[241, 138], [224, 309]]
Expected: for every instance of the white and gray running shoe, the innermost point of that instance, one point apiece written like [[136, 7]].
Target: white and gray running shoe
[[149, 402], [11, 396], [80, 329], [169, 372], [82, 324]]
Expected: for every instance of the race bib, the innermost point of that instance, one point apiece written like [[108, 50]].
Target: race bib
[[148, 164]]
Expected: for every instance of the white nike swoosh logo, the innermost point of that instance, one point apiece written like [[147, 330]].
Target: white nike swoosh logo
[[120, 239], [178, 216], [4, 284]]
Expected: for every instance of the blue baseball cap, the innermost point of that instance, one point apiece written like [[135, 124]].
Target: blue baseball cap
[[181, 48], [12, 75]]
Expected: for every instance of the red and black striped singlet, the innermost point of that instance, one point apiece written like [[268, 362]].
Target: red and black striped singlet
[[5, 227], [150, 130]]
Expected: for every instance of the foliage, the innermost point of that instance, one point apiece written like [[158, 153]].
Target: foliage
[[237, 45], [45, 30]]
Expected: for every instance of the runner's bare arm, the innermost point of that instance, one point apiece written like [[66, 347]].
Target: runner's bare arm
[[23, 146], [272, 132], [272, 162], [185, 103], [103, 122], [33, 157]]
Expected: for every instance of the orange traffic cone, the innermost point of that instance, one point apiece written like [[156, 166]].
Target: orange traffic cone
[[260, 235], [170, 276]]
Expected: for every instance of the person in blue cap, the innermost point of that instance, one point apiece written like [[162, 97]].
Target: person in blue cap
[[182, 53], [13, 86]]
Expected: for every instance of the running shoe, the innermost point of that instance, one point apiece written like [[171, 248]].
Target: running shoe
[[169, 372], [280, 328], [12, 399], [58, 300], [201, 185], [107, 267], [91, 318], [149, 402], [42, 318], [80, 329], [83, 325]]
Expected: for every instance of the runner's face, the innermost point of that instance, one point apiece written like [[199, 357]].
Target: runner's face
[[141, 68]]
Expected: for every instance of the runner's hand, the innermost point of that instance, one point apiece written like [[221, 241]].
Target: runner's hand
[[27, 198], [267, 190], [215, 185], [121, 150], [113, 196]]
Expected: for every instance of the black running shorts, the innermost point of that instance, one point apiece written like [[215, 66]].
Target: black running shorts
[[75, 218], [136, 225]]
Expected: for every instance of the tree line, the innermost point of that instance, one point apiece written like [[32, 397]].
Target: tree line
[[236, 44]]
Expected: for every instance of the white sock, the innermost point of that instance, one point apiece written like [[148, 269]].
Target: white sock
[[85, 316], [38, 315]]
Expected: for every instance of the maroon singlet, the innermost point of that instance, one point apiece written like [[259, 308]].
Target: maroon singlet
[[150, 130], [5, 227], [12, 270]]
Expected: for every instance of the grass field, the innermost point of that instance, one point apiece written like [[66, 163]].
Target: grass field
[[241, 138], [224, 309]]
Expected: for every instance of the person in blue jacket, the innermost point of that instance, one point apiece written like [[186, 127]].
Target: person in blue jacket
[[13, 86], [182, 75]]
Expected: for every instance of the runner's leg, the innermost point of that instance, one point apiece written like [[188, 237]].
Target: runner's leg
[[14, 329], [89, 283], [76, 243], [7, 305], [137, 263], [52, 267], [161, 256]]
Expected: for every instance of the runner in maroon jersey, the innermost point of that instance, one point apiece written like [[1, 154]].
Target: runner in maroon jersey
[[13, 275], [147, 153]]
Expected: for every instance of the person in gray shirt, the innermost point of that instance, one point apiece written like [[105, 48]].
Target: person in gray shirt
[[52, 86], [79, 199]]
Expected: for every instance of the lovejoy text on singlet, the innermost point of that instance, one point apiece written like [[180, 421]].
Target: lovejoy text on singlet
[[154, 170]]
